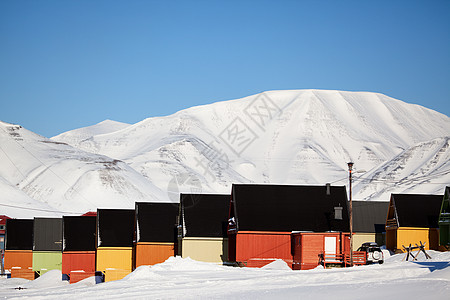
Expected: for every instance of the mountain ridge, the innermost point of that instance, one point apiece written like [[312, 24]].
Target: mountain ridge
[[303, 137]]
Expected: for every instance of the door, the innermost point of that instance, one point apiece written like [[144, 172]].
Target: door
[[330, 248]]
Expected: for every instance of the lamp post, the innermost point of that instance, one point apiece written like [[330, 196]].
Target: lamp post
[[350, 167]]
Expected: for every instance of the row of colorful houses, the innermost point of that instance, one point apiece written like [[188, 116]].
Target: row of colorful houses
[[252, 227]]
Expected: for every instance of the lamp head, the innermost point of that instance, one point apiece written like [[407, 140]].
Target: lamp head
[[350, 166]]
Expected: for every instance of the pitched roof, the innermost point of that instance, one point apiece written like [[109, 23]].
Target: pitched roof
[[47, 234], [204, 215], [445, 206], [19, 234], [155, 222], [115, 227], [79, 233], [369, 216], [417, 210], [3, 219], [289, 208]]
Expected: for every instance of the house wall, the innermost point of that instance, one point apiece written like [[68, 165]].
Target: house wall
[[391, 239], [205, 249], [23, 273], [18, 258], [307, 246], [114, 258], [403, 236], [444, 234], [115, 274], [44, 261], [76, 276], [152, 253], [77, 261], [362, 237], [258, 248], [306, 250]]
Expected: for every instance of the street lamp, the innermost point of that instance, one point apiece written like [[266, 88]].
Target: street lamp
[[350, 168]]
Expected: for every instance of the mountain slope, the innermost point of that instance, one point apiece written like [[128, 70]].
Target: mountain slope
[[65, 179], [78, 135], [424, 165], [295, 137]]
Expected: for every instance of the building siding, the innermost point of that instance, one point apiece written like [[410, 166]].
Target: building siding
[[152, 253], [18, 258], [256, 249], [114, 258], [77, 261], [213, 250], [44, 261]]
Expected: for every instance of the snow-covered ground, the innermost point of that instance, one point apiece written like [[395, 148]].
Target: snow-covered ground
[[179, 278]]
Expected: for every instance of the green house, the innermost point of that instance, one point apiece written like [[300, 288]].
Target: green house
[[47, 244], [444, 220]]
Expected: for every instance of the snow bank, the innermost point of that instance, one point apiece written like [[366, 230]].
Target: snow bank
[[278, 264], [51, 278], [143, 273], [184, 278], [186, 264]]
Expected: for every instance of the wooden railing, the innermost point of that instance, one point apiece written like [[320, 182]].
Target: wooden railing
[[342, 259], [391, 223]]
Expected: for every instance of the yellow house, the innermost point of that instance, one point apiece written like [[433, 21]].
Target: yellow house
[[413, 219], [115, 232], [202, 229]]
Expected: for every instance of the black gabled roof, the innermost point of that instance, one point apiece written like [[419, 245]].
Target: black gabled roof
[[115, 227], [417, 210], [19, 234], [79, 233], [369, 216], [156, 221], [48, 234], [289, 208], [445, 206], [204, 215]]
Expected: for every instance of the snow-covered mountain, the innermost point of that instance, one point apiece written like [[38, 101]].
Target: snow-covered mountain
[[285, 137], [41, 177], [294, 137], [78, 135]]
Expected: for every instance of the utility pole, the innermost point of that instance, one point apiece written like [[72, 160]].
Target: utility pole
[[350, 167]]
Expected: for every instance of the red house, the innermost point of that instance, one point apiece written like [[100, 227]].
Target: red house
[[3, 219], [262, 218], [78, 257]]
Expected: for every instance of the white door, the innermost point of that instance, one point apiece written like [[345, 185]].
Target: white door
[[330, 245]]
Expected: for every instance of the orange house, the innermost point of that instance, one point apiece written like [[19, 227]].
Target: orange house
[[19, 248], [155, 232]]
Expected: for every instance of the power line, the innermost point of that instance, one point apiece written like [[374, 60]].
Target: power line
[[39, 209]]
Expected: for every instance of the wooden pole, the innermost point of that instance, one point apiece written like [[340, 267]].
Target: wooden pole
[[350, 167]]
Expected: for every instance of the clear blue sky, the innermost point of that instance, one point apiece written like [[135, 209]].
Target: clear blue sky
[[68, 64]]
